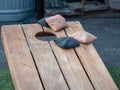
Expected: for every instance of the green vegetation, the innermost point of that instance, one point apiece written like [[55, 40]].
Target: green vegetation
[[115, 73], [6, 81]]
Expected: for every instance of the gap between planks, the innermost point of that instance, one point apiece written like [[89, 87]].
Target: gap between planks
[[52, 46], [33, 57], [33, 42], [81, 62]]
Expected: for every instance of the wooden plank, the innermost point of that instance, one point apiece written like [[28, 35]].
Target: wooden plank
[[89, 6], [48, 68], [22, 68], [70, 65], [92, 62]]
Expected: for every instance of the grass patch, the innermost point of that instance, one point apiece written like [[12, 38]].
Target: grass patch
[[6, 81], [115, 73]]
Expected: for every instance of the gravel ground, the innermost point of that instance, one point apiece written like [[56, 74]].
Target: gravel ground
[[107, 44]]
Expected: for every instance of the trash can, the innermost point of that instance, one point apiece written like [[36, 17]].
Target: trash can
[[16, 10]]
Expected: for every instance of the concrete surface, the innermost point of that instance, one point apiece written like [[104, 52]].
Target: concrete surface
[[107, 44], [108, 32]]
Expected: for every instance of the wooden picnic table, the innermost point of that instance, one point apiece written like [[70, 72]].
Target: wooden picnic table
[[41, 65]]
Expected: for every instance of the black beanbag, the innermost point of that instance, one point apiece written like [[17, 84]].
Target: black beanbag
[[43, 22], [67, 42]]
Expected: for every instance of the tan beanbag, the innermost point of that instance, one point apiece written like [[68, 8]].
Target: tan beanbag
[[84, 37], [56, 22]]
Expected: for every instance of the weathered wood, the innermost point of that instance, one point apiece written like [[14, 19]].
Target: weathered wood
[[70, 65], [48, 68], [77, 6], [55, 3], [22, 68], [92, 62], [42, 65]]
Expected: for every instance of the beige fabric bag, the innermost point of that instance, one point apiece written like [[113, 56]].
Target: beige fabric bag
[[84, 37], [56, 22]]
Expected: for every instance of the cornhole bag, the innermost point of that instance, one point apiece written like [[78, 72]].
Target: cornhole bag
[[43, 22], [84, 37], [56, 22], [67, 42]]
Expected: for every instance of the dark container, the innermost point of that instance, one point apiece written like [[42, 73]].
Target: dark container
[[40, 9], [16, 10]]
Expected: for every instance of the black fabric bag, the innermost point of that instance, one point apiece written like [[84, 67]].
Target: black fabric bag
[[67, 42], [43, 22]]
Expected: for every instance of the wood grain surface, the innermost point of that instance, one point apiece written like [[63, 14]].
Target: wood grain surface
[[70, 65], [42, 65], [92, 62], [48, 68], [23, 71]]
